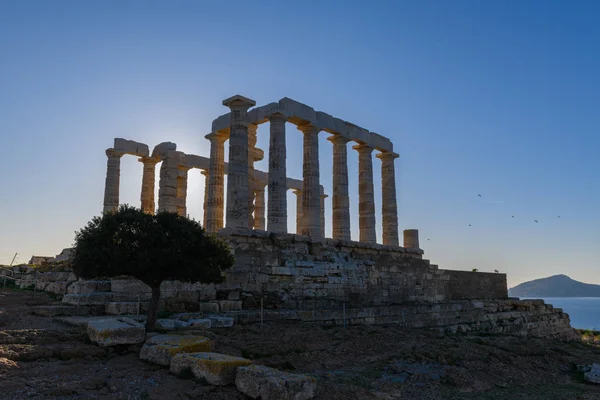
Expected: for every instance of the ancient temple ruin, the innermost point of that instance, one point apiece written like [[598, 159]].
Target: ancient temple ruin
[[291, 269], [246, 185]]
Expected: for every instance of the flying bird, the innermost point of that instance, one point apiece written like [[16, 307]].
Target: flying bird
[[479, 195], [513, 216], [535, 220], [469, 224]]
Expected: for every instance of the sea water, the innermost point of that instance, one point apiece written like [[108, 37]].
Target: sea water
[[584, 312]]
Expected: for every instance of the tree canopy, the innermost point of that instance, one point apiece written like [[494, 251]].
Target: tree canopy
[[151, 248]]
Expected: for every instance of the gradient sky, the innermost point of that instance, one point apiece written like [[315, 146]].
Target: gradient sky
[[498, 98]]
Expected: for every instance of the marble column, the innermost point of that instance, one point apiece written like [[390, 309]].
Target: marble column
[[168, 184], [182, 178], [237, 178], [411, 238], [389, 207], [311, 203], [259, 206], [366, 195], [205, 203], [148, 178], [215, 187], [340, 200], [277, 185], [113, 176], [252, 128], [323, 197], [299, 218]]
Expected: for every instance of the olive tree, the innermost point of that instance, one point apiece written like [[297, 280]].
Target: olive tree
[[151, 248]]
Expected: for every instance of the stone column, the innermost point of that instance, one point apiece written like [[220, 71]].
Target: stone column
[[148, 177], [340, 199], [311, 203], [237, 178], [113, 176], [252, 128], [168, 184], [205, 203], [411, 238], [215, 188], [299, 218], [182, 178], [389, 207], [323, 197], [366, 195], [277, 185], [259, 206]]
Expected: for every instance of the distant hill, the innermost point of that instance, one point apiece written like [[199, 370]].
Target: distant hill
[[555, 286]]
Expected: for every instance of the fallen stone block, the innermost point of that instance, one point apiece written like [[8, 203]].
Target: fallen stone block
[[166, 324], [86, 287], [258, 381], [220, 322], [94, 298], [160, 349], [215, 368], [201, 323], [591, 373], [113, 331], [59, 287], [55, 311], [125, 307]]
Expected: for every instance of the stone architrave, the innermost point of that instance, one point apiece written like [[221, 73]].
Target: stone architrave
[[340, 199], [113, 176], [216, 183], [204, 204], [389, 209], [252, 128], [311, 202], [237, 178], [299, 218], [277, 186], [323, 197], [167, 190], [148, 178], [182, 178], [259, 206], [366, 195]]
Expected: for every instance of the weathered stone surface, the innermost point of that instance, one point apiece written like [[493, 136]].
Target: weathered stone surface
[[201, 323], [166, 324], [86, 287], [95, 298], [217, 369], [113, 331], [220, 322], [591, 373], [260, 382], [54, 311], [125, 308], [161, 349]]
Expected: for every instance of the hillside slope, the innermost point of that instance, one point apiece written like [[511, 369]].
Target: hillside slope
[[555, 286]]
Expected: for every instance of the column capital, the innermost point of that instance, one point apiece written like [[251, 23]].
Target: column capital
[[149, 160], [205, 172], [324, 196], [363, 148], [309, 129], [217, 137], [338, 139], [387, 155], [297, 192], [278, 117], [239, 102], [112, 153], [252, 128]]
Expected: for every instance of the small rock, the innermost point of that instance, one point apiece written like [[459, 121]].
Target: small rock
[[592, 373], [258, 381], [217, 369], [161, 349]]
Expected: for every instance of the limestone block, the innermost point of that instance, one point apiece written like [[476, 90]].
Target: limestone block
[[259, 115], [131, 286], [359, 134], [131, 147], [229, 305], [166, 324], [114, 331], [161, 349], [95, 298], [125, 307], [260, 382], [381, 143], [218, 321], [297, 112], [201, 323], [57, 287], [85, 287], [217, 369], [221, 123]]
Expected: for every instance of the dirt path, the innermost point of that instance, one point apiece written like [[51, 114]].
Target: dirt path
[[43, 359]]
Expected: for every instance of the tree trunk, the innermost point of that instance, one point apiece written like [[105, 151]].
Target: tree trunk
[[153, 308]]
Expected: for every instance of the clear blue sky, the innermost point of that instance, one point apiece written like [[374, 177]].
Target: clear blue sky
[[498, 98]]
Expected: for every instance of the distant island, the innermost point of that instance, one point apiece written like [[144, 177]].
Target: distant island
[[555, 286]]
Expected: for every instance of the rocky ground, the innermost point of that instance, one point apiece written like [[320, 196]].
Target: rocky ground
[[43, 359]]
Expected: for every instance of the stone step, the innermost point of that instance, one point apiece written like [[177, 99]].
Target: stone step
[[95, 298], [125, 307], [86, 287]]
